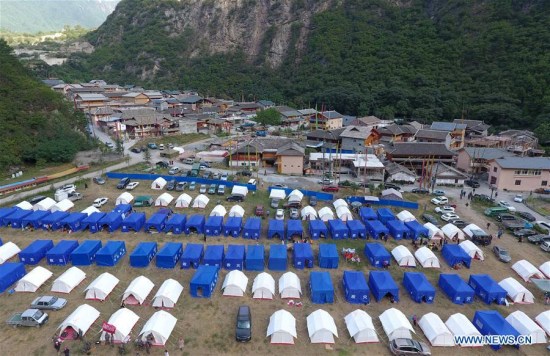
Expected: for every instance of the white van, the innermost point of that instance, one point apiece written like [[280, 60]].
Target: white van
[[545, 246], [252, 181]]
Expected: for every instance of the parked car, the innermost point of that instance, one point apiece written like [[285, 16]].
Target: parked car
[[274, 203], [48, 303], [431, 219], [444, 209], [161, 147], [215, 175], [202, 189], [99, 202], [392, 186], [280, 186], [518, 198], [212, 189], [294, 204], [123, 183], [244, 173], [459, 223], [294, 214], [538, 239], [502, 254], [507, 205], [280, 214], [259, 211], [174, 170], [99, 180], [404, 347], [243, 330], [505, 217], [135, 149], [526, 215], [330, 188], [545, 246], [188, 161], [206, 174], [171, 185], [67, 188], [37, 199], [449, 217], [235, 198], [438, 192], [192, 185], [74, 196], [180, 187], [524, 233], [472, 183], [420, 191], [30, 317], [205, 165], [224, 177], [110, 145], [132, 185], [483, 197], [326, 181], [152, 145], [221, 189], [440, 200], [163, 164], [313, 200]]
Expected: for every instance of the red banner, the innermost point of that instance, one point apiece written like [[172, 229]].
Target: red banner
[[108, 328]]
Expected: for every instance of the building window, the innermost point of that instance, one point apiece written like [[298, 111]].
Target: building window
[[544, 183], [494, 169], [518, 182]]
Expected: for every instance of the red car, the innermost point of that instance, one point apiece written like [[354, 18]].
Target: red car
[[330, 188]]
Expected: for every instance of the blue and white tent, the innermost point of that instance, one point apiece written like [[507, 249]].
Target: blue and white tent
[[52, 222], [84, 255], [376, 229], [73, 222], [419, 288], [278, 260], [234, 257], [455, 255], [111, 221], [356, 288], [35, 252], [377, 254], [487, 289], [123, 209], [60, 255], [276, 229], [302, 256], [417, 229], [382, 285], [10, 272], [328, 256], [254, 260], [143, 254], [338, 229], [252, 228], [16, 218], [233, 226], [176, 224], [213, 226], [111, 253], [490, 322], [195, 224], [321, 288], [398, 229], [385, 215], [34, 220], [294, 229], [92, 222], [367, 214], [192, 256], [213, 256], [156, 222], [169, 255], [458, 291], [5, 213], [318, 229], [357, 229], [203, 281]]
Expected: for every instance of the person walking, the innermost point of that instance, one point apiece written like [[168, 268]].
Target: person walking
[[488, 225], [67, 352], [181, 343], [499, 232]]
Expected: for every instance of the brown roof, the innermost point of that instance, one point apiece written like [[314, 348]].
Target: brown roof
[[395, 129], [432, 134], [360, 132], [325, 134], [421, 149], [291, 149]]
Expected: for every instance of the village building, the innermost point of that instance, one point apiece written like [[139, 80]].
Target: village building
[[456, 131], [521, 174], [477, 160], [415, 155]]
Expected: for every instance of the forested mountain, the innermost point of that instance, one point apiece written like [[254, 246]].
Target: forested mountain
[[425, 59], [32, 16], [36, 124]]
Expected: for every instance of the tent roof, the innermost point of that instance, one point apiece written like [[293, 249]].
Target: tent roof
[[543, 319], [125, 197], [339, 202], [320, 320], [393, 319], [326, 213], [424, 253], [165, 197], [357, 321], [105, 282], [170, 289], [81, 319], [432, 326], [405, 216], [201, 200], [523, 324], [526, 270], [236, 211], [239, 190], [277, 194], [308, 210], [401, 251], [161, 324], [295, 195], [289, 280], [140, 288], [459, 324], [44, 204], [72, 277], [545, 268], [185, 198], [219, 210], [124, 320], [36, 277], [63, 205], [264, 280], [513, 287], [450, 231], [471, 249], [236, 278], [282, 321], [25, 205]]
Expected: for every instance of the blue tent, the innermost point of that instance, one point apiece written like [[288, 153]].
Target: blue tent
[[254, 258], [16, 218], [213, 226], [317, 229], [252, 228], [455, 255], [356, 288], [92, 222], [385, 215], [192, 256], [377, 254], [73, 222], [376, 229], [123, 209], [302, 256], [5, 213], [84, 255], [367, 214], [294, 229], [195, 224], [487, 289], [419, 288], [233, 226], [417, 229], [398, 229], [213, 256], [34, 220], [143, 254], [277, 258], [338, 229], [356, 229], [35, 252], [276, 228], [10, 272], [53, 221], [1, 242], [328, 256], [110, 254], [382, 284], [176, 224], [490, 322], [322, 290], [133, 222], [234, 257], [203, 282], [111, 221], [156, 222], [169, 255], [458, 291], [60, 255]]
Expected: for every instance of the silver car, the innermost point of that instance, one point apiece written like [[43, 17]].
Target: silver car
[[48, 303], [409, 347]]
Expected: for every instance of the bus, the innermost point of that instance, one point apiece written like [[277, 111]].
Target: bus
[[496, 211]]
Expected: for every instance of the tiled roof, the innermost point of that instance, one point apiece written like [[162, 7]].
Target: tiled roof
[[487, 153], [432, 134], [421, 149], [447, 126], [524, 162], [360, 132]]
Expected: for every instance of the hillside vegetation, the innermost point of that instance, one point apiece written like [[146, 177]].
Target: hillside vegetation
[[429, 60]]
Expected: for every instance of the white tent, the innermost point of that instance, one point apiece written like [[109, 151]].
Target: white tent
[[138, 290], [434, 232], [526, 326], [471, 249], [526, 270], [183, 201], [545, 269], [405, 216], [160, 326], [164, 199], [435, 330], [452, 232], [25, 205], [90, 210], [168, 294], [101, 287], [124, 198], [344, 213], [395, 324], [469, 229], [33, 280], [295, 196], [80, 320], [159, 183], [239, 190], [236, 211], [339, 202], [68, 280], [7, 251], [282, 328], [263, 286], [44, 204], [326, 214], [517, 292], [543, 319], [321, 327], [403, 256], [277, 194], [235, 284], [308, 213], [124, 321], [180, 150], [459, 325], [219, 210], [360, 326], [200, 201], [427, 258], [289, 286], [64, 205]]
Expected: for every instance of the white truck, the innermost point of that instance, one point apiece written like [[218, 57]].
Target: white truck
[[30, 317], [62, 195]]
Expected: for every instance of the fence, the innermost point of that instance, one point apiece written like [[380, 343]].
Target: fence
[[397, 203], [307, 193]]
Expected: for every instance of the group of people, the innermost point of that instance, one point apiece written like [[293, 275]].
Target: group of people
[[57, 341]]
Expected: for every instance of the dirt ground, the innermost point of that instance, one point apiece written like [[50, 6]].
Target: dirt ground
[[207, 325]]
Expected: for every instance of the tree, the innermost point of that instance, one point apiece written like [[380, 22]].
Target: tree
[[268, 117], [543, 133], [119, 147]]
